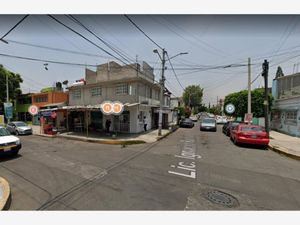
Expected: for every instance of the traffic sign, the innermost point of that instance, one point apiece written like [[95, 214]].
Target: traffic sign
[[8, 109], [33, 110], [230, 108], [248, 118]]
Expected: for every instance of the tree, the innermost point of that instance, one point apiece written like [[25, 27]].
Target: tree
[[279, 72], [240, 99], [14, 81], [192, 96]]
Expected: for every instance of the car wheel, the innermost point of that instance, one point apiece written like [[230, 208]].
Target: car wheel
[[235, 141]]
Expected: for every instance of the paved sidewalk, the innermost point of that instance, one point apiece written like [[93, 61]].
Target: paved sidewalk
[[285, 144], [101, 137], [4, 194]]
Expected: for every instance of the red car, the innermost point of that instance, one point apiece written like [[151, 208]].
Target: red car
[[249, 134]]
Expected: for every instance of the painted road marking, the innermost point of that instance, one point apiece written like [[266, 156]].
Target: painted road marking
[[186, 168]]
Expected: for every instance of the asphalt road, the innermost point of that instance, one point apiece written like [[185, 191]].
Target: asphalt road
[[188, 170]]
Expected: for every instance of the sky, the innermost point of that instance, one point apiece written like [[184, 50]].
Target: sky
[[218, 48]]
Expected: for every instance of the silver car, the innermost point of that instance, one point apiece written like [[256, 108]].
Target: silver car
[[208, 124], [18, 127]]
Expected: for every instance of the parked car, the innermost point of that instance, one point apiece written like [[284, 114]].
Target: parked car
[[194, 118], [18, 127], [186, 122], [227, 127], [9, 144], [221, 119], [208, 124], [249, 134]]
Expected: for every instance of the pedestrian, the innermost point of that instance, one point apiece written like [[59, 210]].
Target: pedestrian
[[145, 122], [107, 125]]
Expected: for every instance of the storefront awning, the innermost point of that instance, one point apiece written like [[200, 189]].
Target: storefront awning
[[131, 104]]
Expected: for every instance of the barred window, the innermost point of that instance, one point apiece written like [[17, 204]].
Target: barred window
[[292, 115], [41, 98], [122, 89], [96, 91], [76, 94]]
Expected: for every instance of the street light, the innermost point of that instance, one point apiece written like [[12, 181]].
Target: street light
[[162, 84], [181, 53]]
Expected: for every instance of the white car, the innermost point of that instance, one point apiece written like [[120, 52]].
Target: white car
[[9, 144], [221, 119], [18, 127]]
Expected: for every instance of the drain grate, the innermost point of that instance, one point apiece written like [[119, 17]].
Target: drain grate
[[221, 198]]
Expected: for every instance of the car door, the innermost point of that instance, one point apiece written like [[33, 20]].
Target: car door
[[10, 128]]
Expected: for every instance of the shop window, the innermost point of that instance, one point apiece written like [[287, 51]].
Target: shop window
[[76, 94], [122, 89], [96, 91]]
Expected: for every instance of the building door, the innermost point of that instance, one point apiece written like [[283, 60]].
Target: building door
[[165, 124], [125, 122]]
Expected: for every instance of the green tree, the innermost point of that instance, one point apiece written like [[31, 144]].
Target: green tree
[[279, 72], [192, 96], [14, 81], [240, 101]]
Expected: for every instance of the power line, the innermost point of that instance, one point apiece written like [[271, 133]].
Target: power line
[[175, 72], [57, 49], [100, 39], [46, 60], [82, 36], [13, 27], [143, 32]]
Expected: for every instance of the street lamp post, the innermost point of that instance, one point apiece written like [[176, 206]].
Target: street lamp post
[[162, 84]]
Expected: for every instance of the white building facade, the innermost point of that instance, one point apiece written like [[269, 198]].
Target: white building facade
[[133, 85]]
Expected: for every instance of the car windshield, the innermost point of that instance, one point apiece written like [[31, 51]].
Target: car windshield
[[207, 120], [252, 129], [4, 132], [20, 124]]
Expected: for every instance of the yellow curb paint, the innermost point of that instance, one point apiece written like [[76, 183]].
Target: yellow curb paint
[[5, 194]]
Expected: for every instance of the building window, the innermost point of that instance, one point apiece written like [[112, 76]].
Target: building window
[[43, 98], [291, 118], [96, 91], [122, 89], [76, 94]]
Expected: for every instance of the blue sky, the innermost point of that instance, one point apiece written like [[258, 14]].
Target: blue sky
[[210, 40]]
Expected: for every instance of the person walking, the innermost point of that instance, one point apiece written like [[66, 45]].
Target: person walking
[[145, 122], [107, 125]]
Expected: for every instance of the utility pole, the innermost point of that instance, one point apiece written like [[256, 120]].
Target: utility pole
[[7, 94], [162, 83], [162, 89], [265, 67], [249, 85]]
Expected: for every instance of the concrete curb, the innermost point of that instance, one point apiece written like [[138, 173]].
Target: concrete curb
[[165, 135], [5, 195], [282, 151], [108, 142], [45, 135]]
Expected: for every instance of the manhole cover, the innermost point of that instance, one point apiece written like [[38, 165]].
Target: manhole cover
[[221, 198]]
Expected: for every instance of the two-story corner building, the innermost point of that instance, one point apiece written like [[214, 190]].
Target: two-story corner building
[[22, 104], [285, 116], [48, 101], [133, 85]]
